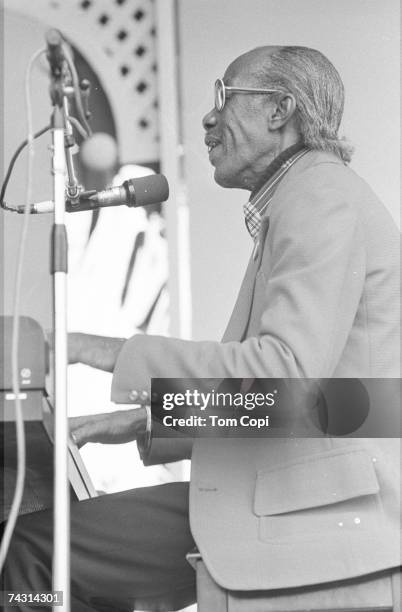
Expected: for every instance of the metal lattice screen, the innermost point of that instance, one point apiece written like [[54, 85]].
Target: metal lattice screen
[[118, 39]]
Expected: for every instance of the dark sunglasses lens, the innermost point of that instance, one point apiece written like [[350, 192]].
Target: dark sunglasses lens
[[219, 95]]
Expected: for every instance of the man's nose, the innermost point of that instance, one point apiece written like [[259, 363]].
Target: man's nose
[[210, 120]]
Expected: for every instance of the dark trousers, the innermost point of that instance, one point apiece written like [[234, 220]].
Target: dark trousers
[[127, 552]]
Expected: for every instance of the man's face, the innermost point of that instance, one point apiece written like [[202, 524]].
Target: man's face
[[239, 142]]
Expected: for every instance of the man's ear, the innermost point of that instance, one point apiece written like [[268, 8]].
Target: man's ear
[[281, 111]]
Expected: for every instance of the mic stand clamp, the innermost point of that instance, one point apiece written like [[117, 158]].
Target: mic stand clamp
[[73, 187]]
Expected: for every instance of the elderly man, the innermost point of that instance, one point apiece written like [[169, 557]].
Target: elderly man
[[319, 300]]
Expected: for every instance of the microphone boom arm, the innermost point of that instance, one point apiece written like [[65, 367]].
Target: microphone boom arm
[[143, 191]]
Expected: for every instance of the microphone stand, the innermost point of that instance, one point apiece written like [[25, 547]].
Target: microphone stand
[[63, 141], [59, 253]]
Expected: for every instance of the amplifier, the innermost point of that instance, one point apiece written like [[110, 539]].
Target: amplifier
[[31, 353]]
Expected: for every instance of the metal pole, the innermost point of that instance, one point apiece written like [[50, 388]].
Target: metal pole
[[171, 152], [61, 522]]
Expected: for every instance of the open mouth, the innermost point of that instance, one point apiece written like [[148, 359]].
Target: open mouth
[[211, 143], [212, 146]]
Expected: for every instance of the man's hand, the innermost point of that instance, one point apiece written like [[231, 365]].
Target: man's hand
[[110, 428]]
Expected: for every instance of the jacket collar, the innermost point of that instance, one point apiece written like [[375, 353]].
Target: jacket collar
[[260, 198]]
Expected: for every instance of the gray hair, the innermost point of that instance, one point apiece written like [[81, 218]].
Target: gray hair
[[319, 93]]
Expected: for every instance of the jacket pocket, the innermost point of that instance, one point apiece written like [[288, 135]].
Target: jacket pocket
[[336, 490]]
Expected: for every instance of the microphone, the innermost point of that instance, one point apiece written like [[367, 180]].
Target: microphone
[[142, 191], [55, 53]]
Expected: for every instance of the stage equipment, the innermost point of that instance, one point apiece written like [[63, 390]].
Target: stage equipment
[[64, 86], [70, 196], [143, 191], [39, 424]]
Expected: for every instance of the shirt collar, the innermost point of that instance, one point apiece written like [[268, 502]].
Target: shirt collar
[[261, 197]]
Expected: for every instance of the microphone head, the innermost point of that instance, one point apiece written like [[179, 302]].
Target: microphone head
[[150, 189], [99, 152], [53, 38]]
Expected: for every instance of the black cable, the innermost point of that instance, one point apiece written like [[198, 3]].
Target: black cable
[[14, 159]]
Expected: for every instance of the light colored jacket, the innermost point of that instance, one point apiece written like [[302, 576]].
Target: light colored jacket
[[320, 300]]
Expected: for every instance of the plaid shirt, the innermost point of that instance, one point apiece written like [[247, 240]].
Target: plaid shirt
[[259, 201]]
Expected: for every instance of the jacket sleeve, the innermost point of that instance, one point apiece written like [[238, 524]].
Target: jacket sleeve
[[164, 450], [312, 270]]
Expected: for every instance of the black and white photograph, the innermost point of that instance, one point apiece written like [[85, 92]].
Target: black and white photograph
[[200, 323]]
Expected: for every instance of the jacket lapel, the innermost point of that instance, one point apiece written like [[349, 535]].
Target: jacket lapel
[[238, 322]]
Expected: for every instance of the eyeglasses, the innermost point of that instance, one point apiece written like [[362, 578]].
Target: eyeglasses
[[221, 89]]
